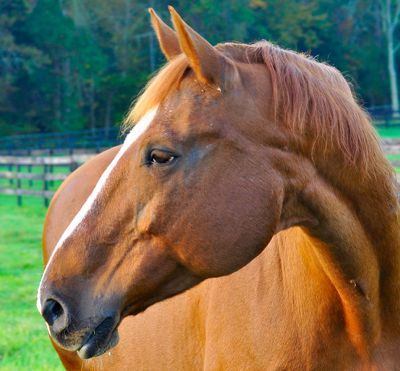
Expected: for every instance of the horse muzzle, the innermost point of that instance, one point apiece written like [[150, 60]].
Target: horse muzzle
[[88, 337]]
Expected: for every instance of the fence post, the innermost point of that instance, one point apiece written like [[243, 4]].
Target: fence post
[[73, 166], [10, 168], [387, 118], [51, 167], [30, 169], [45, 186], [19, 187]]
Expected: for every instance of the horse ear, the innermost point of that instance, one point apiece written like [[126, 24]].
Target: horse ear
[[204, 59], [166, 36]]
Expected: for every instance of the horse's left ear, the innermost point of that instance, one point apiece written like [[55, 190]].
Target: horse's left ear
[[166, 36], [205, 60]]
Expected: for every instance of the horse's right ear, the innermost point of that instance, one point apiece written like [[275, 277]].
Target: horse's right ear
[[166, 36]]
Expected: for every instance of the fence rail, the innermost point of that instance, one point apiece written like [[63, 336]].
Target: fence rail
[[94, 140], [48, 160], [46, 195], [384, 116], [31, 176], [21, 173]]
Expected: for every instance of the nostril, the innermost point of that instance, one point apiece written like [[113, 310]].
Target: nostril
[[52, 311]]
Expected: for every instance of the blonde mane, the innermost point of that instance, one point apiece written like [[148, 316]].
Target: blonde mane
[[309, 97]]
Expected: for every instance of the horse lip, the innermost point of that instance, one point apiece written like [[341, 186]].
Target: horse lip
[[101, 339], [130, 310], [134, 308]]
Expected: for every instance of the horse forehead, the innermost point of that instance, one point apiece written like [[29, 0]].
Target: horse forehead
[[183, 118], [198, 109]]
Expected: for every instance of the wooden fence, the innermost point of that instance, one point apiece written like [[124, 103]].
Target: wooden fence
[[15, 169], [94, 140], [390, 146]]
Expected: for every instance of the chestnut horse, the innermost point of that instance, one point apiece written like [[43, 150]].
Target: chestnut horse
[[253, 171]]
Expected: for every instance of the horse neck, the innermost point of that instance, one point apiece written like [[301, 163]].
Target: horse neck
[[375, 204], [379, 213], [354, 229], [373, 214]]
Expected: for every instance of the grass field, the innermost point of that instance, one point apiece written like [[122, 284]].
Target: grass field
[[24, 344], [393, 132]]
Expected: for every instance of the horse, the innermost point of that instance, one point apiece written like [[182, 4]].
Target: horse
[[249, 221]]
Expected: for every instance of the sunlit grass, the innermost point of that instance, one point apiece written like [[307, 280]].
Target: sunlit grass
[[24, 344], [393, 157], [389, 132]]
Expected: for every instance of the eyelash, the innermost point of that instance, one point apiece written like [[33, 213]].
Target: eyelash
[[163, 158]]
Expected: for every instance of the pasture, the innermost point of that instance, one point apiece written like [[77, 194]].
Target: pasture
[[24, 344], [389, 132]]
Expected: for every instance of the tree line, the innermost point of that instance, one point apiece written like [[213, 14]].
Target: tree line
[[75, 64]]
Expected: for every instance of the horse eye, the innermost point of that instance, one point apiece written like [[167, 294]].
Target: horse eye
[[160, 157]]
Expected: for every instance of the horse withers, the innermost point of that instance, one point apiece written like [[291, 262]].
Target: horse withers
[[252, 177]]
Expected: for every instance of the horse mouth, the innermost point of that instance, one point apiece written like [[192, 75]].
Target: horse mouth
[[100, 340]]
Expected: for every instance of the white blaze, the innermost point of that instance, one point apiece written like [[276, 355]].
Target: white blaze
[[134, 134]]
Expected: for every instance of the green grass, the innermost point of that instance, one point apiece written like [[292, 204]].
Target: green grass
[[24, 344], [389, 132], [393, 157]]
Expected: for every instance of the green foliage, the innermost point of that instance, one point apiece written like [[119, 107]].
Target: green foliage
[[300, 26], [72, 64]]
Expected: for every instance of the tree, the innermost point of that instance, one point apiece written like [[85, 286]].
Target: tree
[[72, 64], [390, 16], [70, 83], [17, 58], [353, 43]]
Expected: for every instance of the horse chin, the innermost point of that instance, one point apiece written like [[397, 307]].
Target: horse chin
[[105, 336], [100, 340], [94, 349]]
